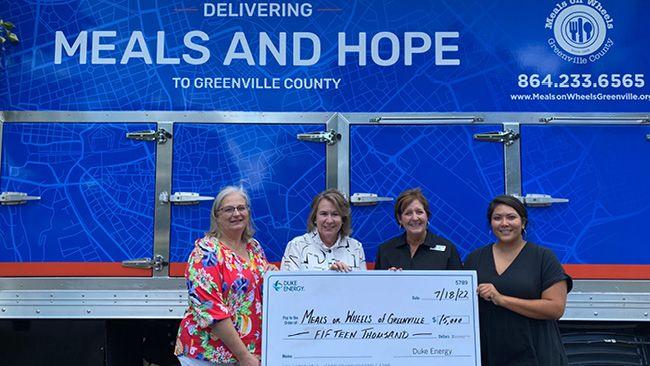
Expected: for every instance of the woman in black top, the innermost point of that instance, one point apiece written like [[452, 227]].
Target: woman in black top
[[417, 248], [523, 291]]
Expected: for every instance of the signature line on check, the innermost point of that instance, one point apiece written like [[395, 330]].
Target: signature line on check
[[297, 334]]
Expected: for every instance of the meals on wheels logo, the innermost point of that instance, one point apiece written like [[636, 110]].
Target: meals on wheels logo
[[287, 286], [580, 30]]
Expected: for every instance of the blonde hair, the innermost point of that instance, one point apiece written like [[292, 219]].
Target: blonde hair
[[215, 230], [342, 206]]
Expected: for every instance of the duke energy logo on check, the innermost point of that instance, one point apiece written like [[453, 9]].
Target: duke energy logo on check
[[580, 30], [287, 286]]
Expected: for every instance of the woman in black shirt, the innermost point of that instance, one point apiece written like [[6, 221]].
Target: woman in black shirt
[[417, 248], [523, 291]]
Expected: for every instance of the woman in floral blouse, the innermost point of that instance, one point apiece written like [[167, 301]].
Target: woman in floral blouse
[[224, 275]]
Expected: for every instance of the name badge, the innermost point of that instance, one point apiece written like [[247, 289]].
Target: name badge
[[440, 248]]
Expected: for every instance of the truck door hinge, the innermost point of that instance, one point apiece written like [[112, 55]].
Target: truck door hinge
[[183, 198], [16, 198], [367, 199], [330, 137], [161, 135], [157, 263], [507, 137], [540, 200], [647, 137]]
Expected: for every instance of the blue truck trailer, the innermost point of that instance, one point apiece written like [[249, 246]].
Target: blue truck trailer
[[120, 121]]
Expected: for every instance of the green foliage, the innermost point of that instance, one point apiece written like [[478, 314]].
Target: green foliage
[[6, 33]]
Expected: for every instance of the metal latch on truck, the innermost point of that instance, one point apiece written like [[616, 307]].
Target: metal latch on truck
[[540, 200], [330, 137], [183, 198], [367, 199], [507, 137], [157, 263], [161, 135], [16, 198]]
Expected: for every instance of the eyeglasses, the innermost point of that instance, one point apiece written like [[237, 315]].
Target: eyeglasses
[[230, 210]]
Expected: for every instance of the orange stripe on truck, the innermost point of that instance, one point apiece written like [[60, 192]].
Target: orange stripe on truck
[[608, 271], [177, 269], [70, 269]]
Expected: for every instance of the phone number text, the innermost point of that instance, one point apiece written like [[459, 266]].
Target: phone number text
[[581, 81]]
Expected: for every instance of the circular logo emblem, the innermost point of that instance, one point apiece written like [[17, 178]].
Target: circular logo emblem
[[580, 30], [277, 285]]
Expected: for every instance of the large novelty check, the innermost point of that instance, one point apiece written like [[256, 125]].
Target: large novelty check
[[374, 318]]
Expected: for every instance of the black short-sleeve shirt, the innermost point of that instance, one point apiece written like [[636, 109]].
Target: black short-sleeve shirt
[[434, 254], [508, 338]]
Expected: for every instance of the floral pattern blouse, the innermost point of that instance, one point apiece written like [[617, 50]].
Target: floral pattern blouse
[[222, 285]]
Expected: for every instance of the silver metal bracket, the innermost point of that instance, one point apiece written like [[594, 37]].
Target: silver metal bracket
[[642, 119], [157, 263], [16, 198], [367, 199], [507, 137], [183, 198], [330, 137], [472, 119], [540, 200], [161, 135]]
